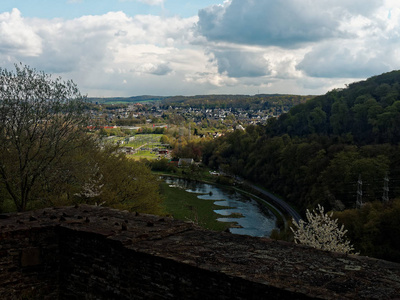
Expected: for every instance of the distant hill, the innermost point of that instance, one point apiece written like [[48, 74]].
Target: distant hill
[[122, 100], [255, 102]]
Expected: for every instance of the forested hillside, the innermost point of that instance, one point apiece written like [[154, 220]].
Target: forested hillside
[[369, 111], [256, 102], [318, 151]]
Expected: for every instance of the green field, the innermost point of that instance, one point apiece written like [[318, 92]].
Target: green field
[[186, 206], [145, 154], [145, 140], [144, 144]]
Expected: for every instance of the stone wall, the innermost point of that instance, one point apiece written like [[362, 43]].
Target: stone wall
[[29, 263], [98, 253]]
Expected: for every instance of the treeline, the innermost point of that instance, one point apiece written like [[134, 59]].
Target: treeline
[[245, 102], [119, 100]]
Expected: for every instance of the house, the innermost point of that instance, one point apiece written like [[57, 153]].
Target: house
[[127, 150], [185, 162]]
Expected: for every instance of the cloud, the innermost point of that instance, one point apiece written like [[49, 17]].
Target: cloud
[[17, 37], [153, 2], [212, 79], [148, 2], [241, 46], [76, 44], [305, 41], [101, 51], [154, 69], [374, 49], [346, 61], [238, 63], [286, 23]]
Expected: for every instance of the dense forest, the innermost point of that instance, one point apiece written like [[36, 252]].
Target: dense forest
[[326, 151], [367, 111]]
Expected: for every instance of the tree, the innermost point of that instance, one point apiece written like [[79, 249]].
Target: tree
[[124, 183], [374, 229], [321, 232], [41, 123]]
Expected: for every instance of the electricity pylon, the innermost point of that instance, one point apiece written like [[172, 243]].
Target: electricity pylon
[[385, 197], [359, 202]]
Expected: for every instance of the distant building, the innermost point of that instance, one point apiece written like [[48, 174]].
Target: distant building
[[185, 162], [127, 150]]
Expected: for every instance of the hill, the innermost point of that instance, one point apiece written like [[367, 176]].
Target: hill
[[316, 152], [339, 150], [125, 100], [369, 111], [255, 102]]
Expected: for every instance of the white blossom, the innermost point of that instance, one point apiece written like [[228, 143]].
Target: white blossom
[[92, 187], [321, 232]]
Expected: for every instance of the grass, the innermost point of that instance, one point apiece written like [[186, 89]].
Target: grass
[[186, 206], [148, 141], [145, 139], [144, 154]]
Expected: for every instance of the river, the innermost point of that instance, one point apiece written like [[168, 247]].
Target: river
[[253, 221]]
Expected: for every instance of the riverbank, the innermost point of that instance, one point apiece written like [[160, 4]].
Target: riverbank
[[230, 208], [205, 176], [188, 207], [283, 211]]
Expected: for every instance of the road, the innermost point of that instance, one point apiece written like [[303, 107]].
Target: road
[[293, 213]]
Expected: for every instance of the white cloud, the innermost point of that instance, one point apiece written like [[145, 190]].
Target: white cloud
[[148, 2], [17, 37], [241, 46], [346, 61], [303, 39], [374, 49], [152, 2], [100, 52], [241, 62], [286, 23]]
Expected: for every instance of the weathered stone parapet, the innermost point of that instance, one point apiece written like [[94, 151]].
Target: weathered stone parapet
[[90, 252]]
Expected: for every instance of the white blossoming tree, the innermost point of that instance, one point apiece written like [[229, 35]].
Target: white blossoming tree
[[321, 232]]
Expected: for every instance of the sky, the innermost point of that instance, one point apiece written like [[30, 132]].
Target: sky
[[122, 48]]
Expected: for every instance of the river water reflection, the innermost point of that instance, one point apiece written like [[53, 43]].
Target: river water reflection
[[253, 222]]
